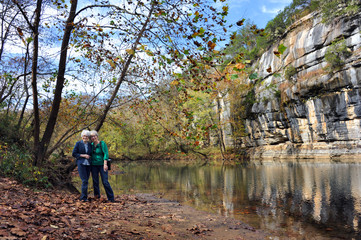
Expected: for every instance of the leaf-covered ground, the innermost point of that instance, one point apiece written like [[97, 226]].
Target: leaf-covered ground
[[25, 214]]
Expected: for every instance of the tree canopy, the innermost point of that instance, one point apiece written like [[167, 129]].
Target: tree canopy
[[75, 59]]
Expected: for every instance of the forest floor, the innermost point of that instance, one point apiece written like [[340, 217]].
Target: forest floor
[[57, 214]]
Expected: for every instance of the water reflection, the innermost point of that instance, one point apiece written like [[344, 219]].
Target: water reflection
[[273, 196], [327, 194]]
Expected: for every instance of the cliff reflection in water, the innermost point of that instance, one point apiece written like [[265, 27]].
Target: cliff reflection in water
[[327, 193]]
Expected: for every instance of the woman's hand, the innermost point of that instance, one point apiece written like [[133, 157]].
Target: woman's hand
[[85, 156], [105, 166]]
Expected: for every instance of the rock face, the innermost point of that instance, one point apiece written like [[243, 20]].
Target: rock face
[[314, 112]]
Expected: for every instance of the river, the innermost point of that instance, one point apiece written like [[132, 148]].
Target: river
[[290, 200]]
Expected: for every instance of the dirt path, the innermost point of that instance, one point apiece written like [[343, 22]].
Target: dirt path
[[25, 214]]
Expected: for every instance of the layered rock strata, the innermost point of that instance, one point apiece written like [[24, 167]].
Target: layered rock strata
[[315, 113]]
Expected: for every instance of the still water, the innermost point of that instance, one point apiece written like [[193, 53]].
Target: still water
[[290, 200]]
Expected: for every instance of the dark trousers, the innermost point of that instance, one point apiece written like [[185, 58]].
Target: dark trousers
[[96, 170], [84, 173]]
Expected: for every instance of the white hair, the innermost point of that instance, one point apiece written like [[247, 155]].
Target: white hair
[[85, 133], [93, 132]]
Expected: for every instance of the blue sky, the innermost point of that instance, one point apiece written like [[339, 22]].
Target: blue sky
[[258, 11]]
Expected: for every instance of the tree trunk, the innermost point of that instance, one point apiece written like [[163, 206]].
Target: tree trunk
[[25, 87], [34, 73], [125, 69], [44, 144]]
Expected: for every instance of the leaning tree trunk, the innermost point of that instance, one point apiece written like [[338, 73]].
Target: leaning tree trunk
[[125, 69], [44, 144]]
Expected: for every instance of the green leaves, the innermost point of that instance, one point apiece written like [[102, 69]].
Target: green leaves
[[281, 49], [234, 76], [253, 76]]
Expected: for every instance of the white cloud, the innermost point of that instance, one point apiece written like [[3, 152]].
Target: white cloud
[[270, 11]]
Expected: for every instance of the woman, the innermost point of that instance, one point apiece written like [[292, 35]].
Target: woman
[[100, 156], [82, 153]]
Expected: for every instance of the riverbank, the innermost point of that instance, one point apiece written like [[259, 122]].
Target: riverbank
[[56, 214]]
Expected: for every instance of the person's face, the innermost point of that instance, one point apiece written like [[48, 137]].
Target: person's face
[[85, 138], [94, 138]]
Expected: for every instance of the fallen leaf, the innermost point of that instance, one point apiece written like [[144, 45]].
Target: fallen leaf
[[167, 228], [18, 232]]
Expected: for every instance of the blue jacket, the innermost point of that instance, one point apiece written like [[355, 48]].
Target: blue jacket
[[79, 148]]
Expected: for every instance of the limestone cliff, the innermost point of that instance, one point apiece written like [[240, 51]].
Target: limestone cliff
[[315, 113]]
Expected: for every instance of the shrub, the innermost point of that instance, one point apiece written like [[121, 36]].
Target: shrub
[[16, 162], [335, 55], [289, 72], [278, 94], [335, 8]]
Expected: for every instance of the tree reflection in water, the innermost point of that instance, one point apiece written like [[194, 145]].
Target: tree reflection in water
[[289, 199]]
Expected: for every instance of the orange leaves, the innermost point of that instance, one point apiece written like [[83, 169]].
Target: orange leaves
[[199, 33], [50, 215], [211, 45], [20, 31], [240, 23], [21, 34], [277, 53], [86, 45], [111, 63], [240, 66]]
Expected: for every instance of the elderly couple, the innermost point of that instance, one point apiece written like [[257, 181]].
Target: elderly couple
[[91, 157]]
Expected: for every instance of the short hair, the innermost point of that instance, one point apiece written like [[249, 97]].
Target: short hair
[[93, 132], [85, 132]]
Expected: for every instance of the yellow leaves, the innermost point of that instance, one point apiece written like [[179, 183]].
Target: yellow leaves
[[111, 63], [174, 83], [149, 53], [169, 39], [130, 51]]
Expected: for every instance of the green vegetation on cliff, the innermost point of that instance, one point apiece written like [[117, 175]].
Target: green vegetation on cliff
[[252, 42]]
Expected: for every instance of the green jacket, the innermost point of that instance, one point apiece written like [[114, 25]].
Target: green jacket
[[100, 153]]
